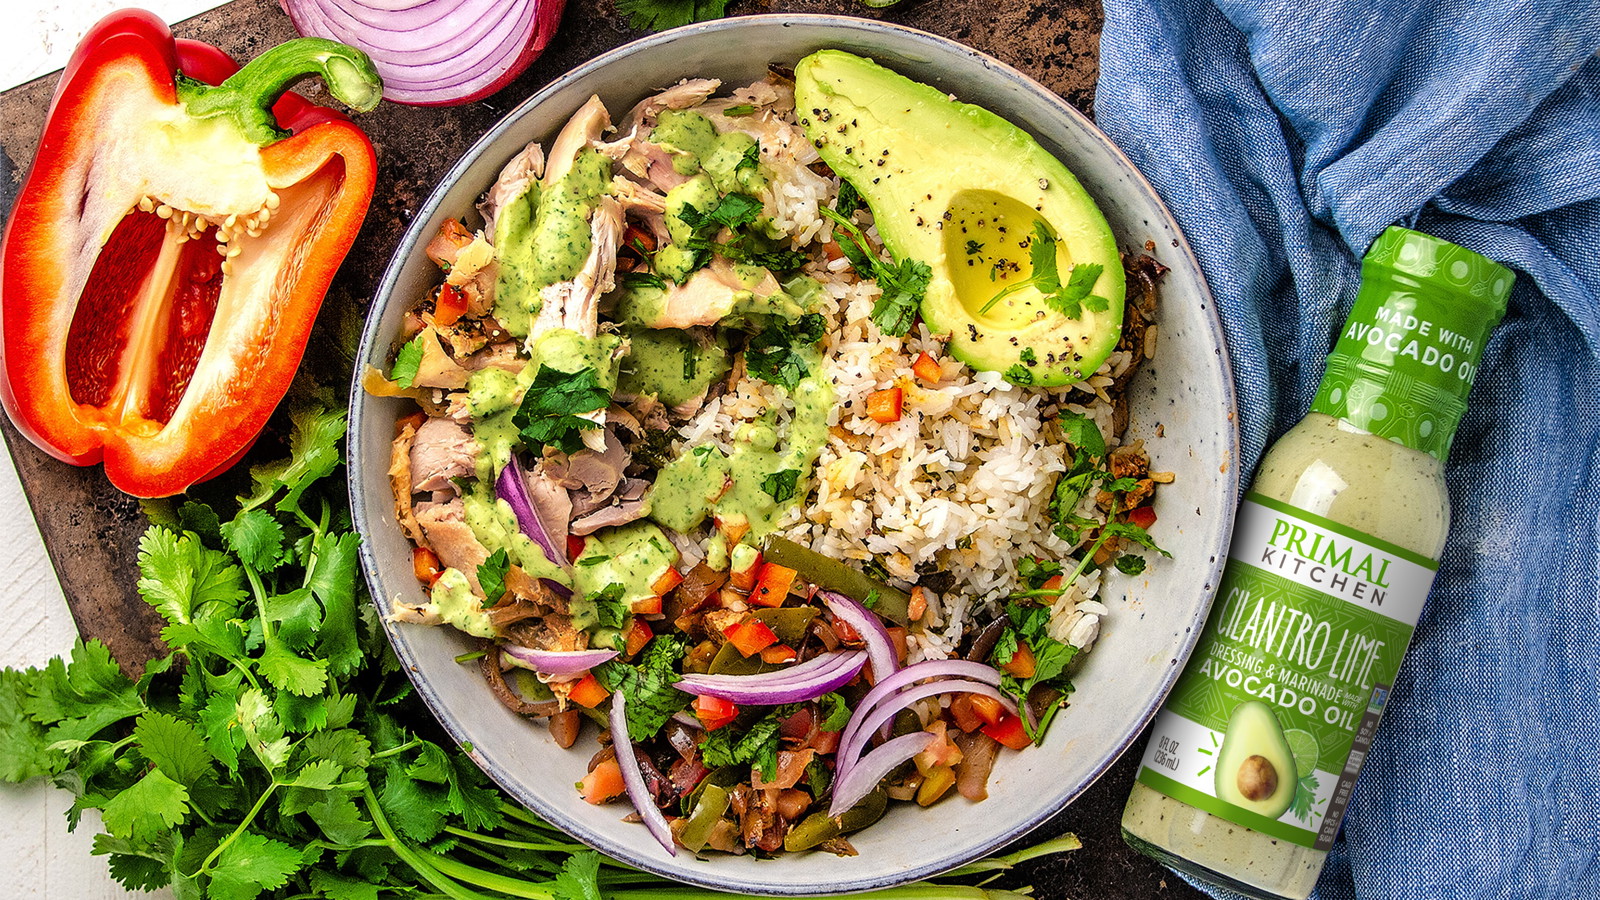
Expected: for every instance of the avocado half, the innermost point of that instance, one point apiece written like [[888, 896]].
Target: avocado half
[[1255, 766], [961, 189]]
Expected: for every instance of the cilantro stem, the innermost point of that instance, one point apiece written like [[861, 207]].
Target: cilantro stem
[[1061, 844], [551, 847], [381, 754], [250, 817], [415, 858], [509, 886]]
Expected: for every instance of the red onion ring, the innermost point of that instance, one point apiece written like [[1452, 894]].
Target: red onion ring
[[858, 782], [633, 778], [931, 668], [807, 681], [557, 662], [436, 52], [880, 648], [860, 729]]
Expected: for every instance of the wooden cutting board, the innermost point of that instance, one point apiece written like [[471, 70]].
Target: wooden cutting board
[[91, 530]]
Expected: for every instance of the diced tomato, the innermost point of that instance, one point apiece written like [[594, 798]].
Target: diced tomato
[[987, 708], [884, 406], [646, 606], [778, 654], [669, 579], [639, 634], [588, 692], [967, 718], [1009, 732], [415, 420], [450, 306], [750, 636], [1142, 516], [927, 368], [772, 585], [715, 712], [897, 636], [744, 577], [425, 563], [604, 784], [1022, 663], [574, 546], [845, 631]]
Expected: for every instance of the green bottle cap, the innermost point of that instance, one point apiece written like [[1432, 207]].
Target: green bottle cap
[[1407, 356]]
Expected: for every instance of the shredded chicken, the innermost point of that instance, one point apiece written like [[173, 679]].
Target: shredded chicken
[[443, 451], [400, 483]]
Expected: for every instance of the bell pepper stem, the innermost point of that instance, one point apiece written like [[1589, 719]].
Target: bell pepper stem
[[247, 97]]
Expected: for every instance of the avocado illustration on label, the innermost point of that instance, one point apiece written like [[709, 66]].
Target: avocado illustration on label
[[1255, 767], [963, 190]]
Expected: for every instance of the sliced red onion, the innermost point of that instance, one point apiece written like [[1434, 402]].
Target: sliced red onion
[[436, 52], [880, 647], [796, 684], [557, 662], [932, 668], [859, 731], [511, 488], [633, 777], [851, 786]]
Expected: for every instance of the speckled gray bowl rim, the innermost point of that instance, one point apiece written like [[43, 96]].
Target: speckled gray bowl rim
[[707, 876]]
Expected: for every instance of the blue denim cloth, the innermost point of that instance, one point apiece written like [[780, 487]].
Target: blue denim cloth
[[1285, 135]]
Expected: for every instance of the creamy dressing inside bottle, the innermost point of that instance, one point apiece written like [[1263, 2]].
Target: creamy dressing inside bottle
[[1254, 756]]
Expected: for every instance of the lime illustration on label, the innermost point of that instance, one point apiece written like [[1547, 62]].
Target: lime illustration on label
[[1271, 721]]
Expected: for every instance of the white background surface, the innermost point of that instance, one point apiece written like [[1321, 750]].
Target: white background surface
[[38, 857]]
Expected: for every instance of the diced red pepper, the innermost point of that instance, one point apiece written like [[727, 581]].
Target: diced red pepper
[[1009, 732], [897, 637], [450, 307], [750, 636], [927, 368], [1142, 516], [884, 406], [639, 634], [772, 585], [589, 692], [715, 712], [604, 784], [779, 654], [1022, 663], [414, 420], [425, 563], [669, 579], [745, 578], [646, 606], [967, 718], [1053, 583], [987, 708]]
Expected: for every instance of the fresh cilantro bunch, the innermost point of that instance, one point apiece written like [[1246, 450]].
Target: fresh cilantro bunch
[[902, 284], [658, 15]]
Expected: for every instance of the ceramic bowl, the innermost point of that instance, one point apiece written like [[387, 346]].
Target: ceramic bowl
[[1182, 405]]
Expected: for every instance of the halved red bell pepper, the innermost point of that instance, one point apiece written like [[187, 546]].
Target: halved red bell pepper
[[171, 245]]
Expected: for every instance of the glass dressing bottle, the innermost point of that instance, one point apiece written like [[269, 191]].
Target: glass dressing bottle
[[1254, 756]]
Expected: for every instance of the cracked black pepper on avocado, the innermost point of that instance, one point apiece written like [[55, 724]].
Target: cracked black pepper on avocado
[[712, 466]]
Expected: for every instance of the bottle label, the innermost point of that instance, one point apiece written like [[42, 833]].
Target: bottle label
[[1270, 722]]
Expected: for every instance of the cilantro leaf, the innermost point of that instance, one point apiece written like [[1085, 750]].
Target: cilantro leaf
[[849, 199], [1045, 277], [250, 865], [256, 538], [24, 752], [182, 579], [579, 878], [173, 746], [153, 805], [1082, 433], [609, 609], [1034, 573], [492, 576], [313, 454], [781, 484], [332, 580], [774, 355], [550, 414], [1129, 563], [407, 361], [1019, 374], [733, 210], [659, 15], [835, 712], [902, 284], [652, 699], [637, 280], [758, 744], [740, 109]]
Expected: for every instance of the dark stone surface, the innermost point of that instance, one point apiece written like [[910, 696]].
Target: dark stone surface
[[92, 531]]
